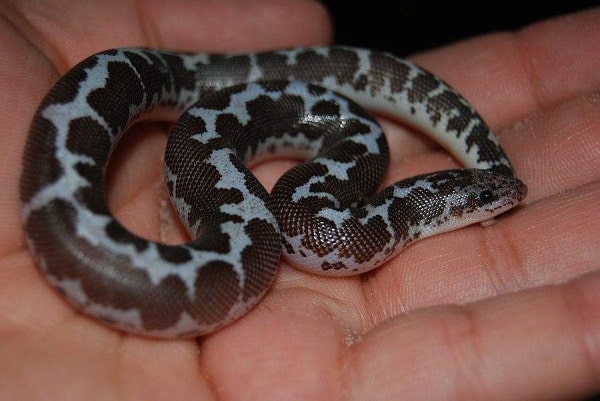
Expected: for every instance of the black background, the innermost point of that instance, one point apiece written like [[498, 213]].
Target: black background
[[408, 26]]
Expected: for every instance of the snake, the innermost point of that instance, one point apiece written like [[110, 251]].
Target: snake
[[325, 216]]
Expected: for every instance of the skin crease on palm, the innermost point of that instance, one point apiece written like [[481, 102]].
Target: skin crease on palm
[[508, 312]]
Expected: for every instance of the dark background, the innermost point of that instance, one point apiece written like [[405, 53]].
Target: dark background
[[408, 26]]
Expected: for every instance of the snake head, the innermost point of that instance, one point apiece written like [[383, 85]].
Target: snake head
[[444, 201], [497, 193], [475, 195]]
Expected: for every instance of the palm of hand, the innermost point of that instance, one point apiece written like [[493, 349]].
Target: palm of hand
[[364, 337]]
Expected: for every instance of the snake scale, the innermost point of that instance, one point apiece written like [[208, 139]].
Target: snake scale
[[323, 215]]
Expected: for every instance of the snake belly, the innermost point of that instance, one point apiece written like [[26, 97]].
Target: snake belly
[[321, 213]]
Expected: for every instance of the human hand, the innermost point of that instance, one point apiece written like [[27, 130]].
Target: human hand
[[427, 325]]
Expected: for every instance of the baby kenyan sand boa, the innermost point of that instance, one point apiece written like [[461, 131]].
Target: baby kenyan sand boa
[[240, 108]]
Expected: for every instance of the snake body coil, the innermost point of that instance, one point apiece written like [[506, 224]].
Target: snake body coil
[[321, 213]]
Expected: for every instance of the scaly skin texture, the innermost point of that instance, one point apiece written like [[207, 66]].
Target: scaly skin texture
[[244, 107], [303, 342]]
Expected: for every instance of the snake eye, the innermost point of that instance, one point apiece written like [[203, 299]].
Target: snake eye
[[486, 196]]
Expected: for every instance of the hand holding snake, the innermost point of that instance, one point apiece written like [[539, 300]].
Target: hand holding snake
[[434, 266]]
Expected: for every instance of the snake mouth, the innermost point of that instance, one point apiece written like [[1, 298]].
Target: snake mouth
[[519, 191], [515, 194]]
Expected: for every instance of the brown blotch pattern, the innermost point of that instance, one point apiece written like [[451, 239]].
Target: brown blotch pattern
[[40, 165]]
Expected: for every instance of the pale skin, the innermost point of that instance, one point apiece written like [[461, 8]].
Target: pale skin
[[507, 312]]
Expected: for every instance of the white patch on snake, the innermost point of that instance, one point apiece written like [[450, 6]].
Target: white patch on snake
[[71, 287], [364, 98], [125, 319], [255, 73], [210, 133], [337, 217], [237, 107], [337, 169], [369, 140], [61, 116], [191, 62], [249, 208], [90, 226], [291, 55], [230, 176], [364, 64], [159, 270], [303, 191], [186, 324], [53, 191]]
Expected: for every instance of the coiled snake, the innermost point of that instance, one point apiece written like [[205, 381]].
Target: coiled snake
[[321, 213]]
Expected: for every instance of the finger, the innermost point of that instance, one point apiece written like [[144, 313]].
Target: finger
[[509, 76], [557, 149], [538, 344], [230, 25]]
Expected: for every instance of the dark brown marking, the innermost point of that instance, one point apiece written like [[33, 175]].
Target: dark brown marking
[[274, 85], [67, 88], [183, 78], [362, 82], [174, 254], [122, 90], [322, 236], [40, 165], [385, 66], [217, 289], [221, 99], [88, 138], [326, 108], [92, 196], [369, 239], [316, 90], [120, 235], [341, 64], [326, 266], [154, 75], [105, 278], [262, 257], [446, 102], [235, 68]]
